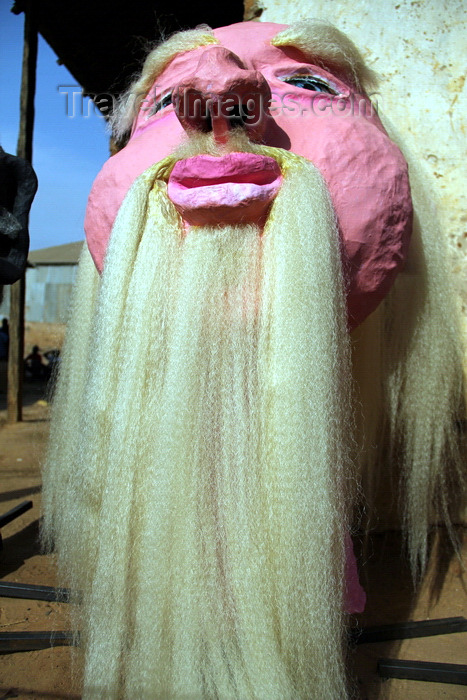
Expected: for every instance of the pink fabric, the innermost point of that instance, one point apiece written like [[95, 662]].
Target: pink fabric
[[354, 595]]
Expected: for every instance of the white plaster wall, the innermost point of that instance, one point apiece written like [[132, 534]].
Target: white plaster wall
[[419, 49]]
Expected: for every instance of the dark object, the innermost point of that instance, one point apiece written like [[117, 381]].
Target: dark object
[[18, 185], [423, 671], [408, 630], [30, 641], [10, 589], [102, 43], [12, 515], [4, 340]]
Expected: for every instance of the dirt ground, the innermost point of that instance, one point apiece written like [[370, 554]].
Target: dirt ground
[[46, 674]]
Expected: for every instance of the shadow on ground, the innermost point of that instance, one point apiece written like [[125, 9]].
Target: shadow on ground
[[20, 547]]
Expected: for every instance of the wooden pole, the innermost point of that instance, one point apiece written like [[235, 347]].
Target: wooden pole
[[24, 150], [28, 82]]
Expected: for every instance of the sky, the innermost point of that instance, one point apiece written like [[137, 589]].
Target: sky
[[68, 149]]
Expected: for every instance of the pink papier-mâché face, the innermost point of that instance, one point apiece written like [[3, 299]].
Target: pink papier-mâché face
[[295, 105]]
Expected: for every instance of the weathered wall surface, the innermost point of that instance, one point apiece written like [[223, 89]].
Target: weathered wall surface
[[419, 49]]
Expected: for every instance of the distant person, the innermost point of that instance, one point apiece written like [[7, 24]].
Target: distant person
[[34, 365], [4, 340]]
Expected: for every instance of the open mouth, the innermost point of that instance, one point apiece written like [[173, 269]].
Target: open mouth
[[237, 187]]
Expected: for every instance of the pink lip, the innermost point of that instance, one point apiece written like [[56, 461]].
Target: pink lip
[[237, 187]]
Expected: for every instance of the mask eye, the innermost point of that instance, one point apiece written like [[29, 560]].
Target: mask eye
[[161, 104], [310, 82]]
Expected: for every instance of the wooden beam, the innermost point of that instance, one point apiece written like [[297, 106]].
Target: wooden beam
[[24, 150], [428, 671], [31, 591], [28, 83], [408, 630], [16, 352], [32, 641]]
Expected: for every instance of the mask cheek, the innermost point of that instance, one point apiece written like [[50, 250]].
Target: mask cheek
[[368, 181]]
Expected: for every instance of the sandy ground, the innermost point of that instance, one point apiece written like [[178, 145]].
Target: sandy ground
[[47, 673], [48, 336]]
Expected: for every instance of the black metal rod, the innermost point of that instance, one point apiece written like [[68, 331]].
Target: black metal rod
[[408, 630], [10, 589], [30, 641], [15, 513], [423, 671]]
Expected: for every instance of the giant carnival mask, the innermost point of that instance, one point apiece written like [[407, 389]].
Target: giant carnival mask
[[200, 482], [288, 96]]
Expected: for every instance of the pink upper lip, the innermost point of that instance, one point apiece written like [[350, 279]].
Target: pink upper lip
[[204, 170]]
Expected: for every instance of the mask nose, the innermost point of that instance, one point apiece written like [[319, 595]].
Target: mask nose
[[220, 95]]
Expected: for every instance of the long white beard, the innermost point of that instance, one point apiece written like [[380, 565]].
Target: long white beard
[[198, 473]]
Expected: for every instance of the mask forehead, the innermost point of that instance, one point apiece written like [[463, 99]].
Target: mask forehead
[[251, 42]]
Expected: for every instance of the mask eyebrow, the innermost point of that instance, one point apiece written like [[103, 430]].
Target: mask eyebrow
[[156, 61], [326, 46]]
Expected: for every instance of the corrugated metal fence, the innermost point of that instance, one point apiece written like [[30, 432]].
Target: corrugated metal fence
[[48, 293]]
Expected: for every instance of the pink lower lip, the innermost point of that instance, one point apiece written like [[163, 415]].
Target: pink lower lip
[[232, 188]]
